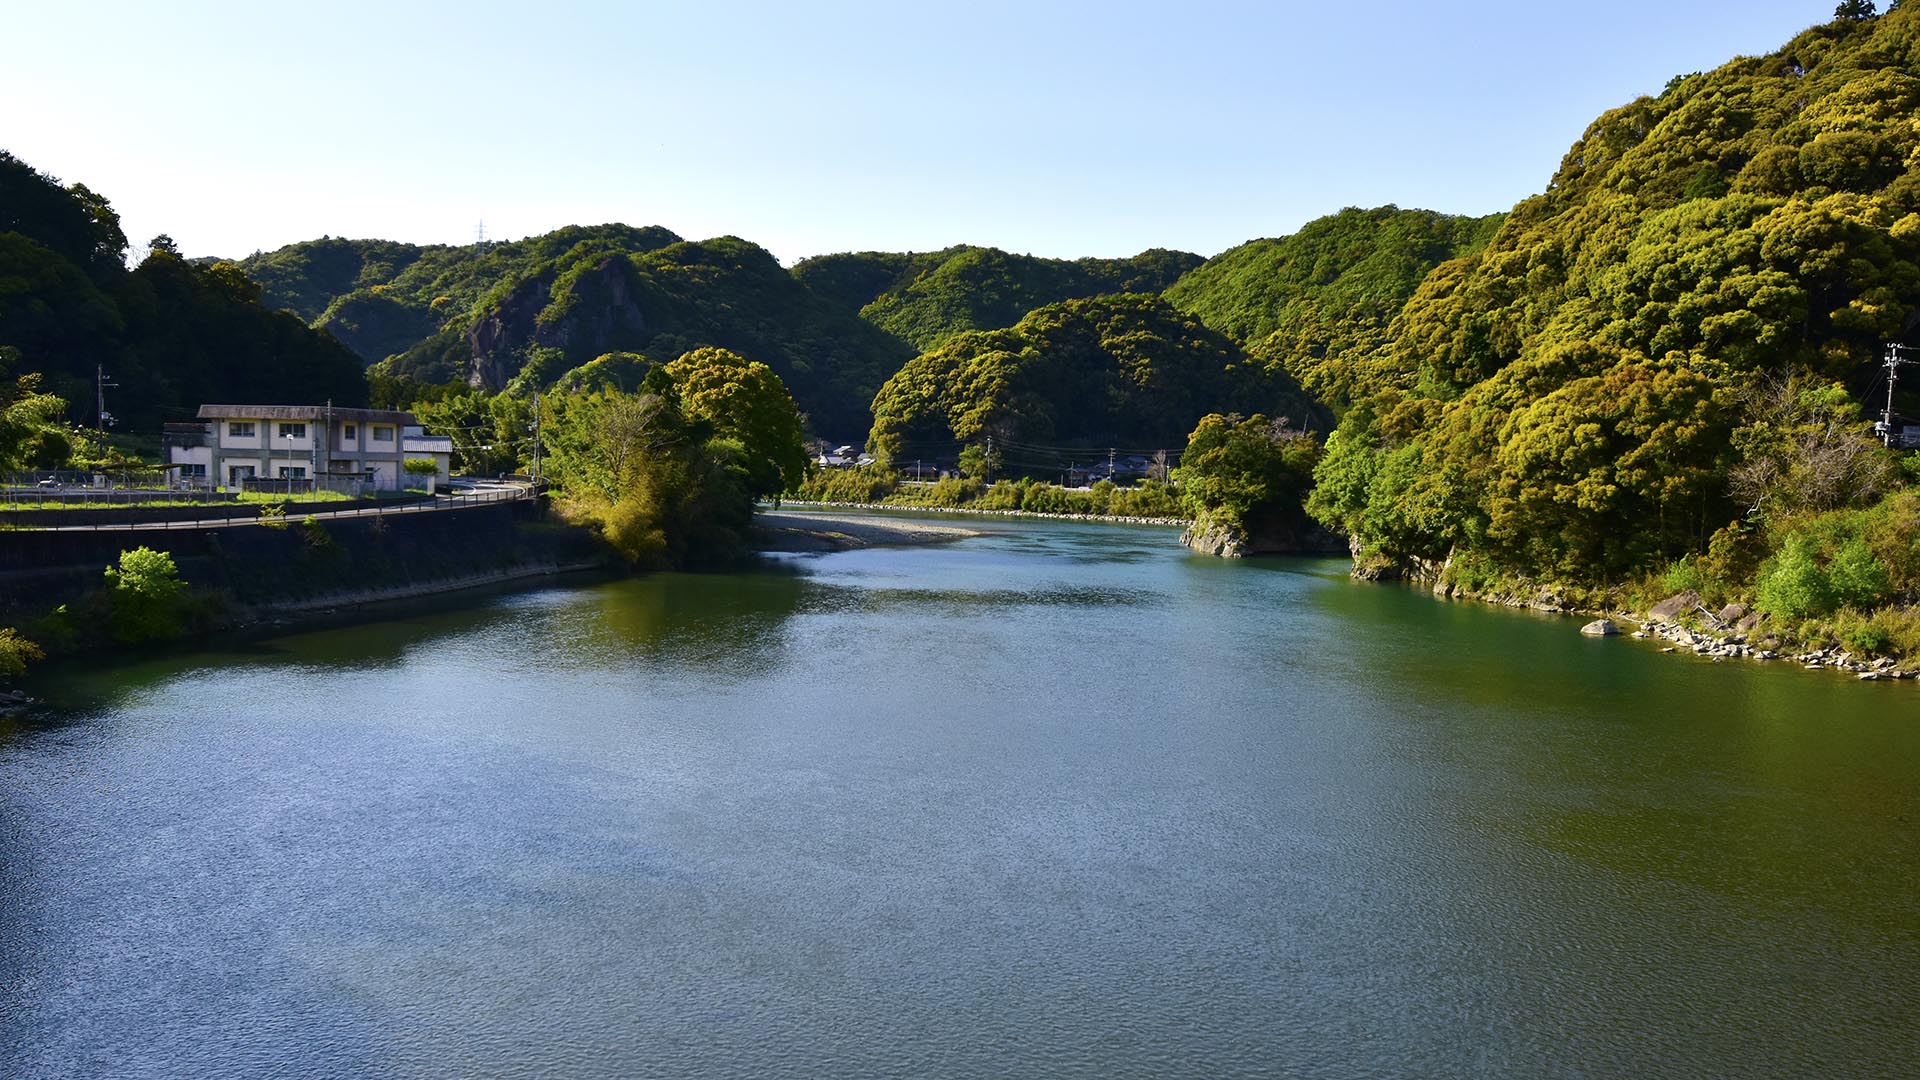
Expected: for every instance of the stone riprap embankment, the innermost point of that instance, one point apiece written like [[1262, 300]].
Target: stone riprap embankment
[[1172, 523], [783, 531]]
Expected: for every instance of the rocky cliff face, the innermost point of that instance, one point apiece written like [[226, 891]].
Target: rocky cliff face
[[594, 312], [495, 338], [1209, 537]]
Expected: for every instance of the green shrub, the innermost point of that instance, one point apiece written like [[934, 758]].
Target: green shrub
[[1733, 559], [1049, 499], [1792, 583], [1902, 626], [1150, 498], [1683, 576], [16, 653], [56, 628], [1862, 633], [144, 596], [1856, 577], [1003, 495], [314, 532], [867, 484], [947, 491]]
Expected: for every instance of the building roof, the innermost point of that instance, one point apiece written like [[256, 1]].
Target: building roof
[[305, 412]]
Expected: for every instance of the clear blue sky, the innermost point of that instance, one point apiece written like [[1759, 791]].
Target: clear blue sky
[[1061, 129]]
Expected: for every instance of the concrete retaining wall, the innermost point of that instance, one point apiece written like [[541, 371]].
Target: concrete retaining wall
[[141, 515], [259, 567]]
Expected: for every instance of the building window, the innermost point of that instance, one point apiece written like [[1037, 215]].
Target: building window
[[193, 472], [293, 472], [349, 432], [238, 473], [240, 429], [382, 434], [293, 431]]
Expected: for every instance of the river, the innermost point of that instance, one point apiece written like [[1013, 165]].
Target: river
[[1055, 801]]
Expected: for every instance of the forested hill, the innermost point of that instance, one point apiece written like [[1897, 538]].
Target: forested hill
[[1107, 371], [382, 297], [1318, 300], [532, 310], [834, 328], [170, 333], [1666, 354], [925, 298]]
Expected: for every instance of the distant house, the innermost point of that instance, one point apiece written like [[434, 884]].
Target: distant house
[[842, 456], [416, 444], [306, 445]]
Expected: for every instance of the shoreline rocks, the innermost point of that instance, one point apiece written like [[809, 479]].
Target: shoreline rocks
[[1732, 636], [1736, 643]]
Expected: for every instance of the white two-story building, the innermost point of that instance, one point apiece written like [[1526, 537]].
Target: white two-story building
[[334, 448]]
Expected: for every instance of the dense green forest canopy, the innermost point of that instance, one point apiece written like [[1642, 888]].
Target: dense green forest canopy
[[1577, 398], [172, 334], [1318, 302], [1125, 370], [668, 471], [928, 297], [526, 313]]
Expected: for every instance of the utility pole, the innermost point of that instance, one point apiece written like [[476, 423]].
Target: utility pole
[[1109, 463], [1892, 362], [100, 387]]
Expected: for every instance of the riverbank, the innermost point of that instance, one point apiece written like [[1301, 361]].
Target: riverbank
[[251, 579], [1733, 632], [788, 532], [1165, 522]]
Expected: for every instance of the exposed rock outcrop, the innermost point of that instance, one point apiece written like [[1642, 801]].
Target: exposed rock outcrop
[[596, 313], [1672, 606], [1207, 536]]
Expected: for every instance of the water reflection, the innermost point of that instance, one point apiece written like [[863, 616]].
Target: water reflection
[[1056, 800]]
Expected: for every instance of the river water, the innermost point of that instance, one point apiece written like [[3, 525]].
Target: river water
[[1056, 801]]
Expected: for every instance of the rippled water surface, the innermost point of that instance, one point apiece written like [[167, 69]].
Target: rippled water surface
[[1055, 801]]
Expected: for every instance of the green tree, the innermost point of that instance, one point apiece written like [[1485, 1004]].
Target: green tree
[[145, 594], [16, 653], [1106, 371], [31, 433], [1248, 475], [745, 401], [978, 462]]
